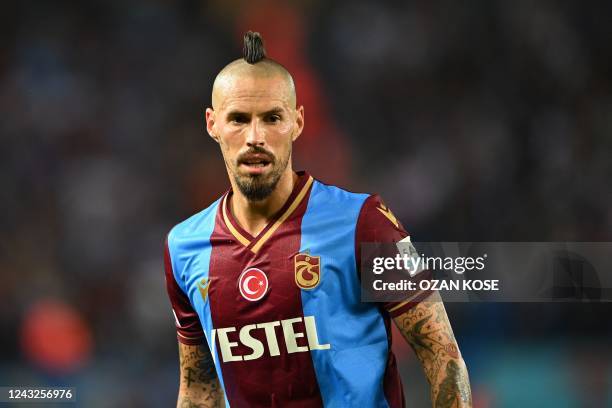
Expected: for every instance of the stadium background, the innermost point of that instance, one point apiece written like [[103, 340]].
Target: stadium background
[[483, 121]]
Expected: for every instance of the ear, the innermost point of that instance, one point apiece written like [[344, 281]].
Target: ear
[[299, 122], [211, 124]]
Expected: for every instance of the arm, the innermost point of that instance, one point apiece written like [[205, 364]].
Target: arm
[[425, 325], [429, 333], [199, 386]]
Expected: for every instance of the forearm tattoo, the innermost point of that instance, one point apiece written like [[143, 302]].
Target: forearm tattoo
[[428, 331], [199, 385]]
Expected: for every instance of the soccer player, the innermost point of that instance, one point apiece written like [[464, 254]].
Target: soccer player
[[264, 283]]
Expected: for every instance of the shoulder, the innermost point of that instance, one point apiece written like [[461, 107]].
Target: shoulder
[[336, 196], [199, 225], [374, 210], [374, 219], [331, 206], [377, 223], [371, 207]]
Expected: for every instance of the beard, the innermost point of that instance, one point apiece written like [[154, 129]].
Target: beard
[[257, 187]]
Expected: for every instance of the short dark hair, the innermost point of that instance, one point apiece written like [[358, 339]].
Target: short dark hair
[[253, 50]]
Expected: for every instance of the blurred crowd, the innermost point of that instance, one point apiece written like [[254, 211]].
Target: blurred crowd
[[478, 121]]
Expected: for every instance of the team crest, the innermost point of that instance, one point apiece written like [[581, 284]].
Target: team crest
[[253, 284], [307, 270]]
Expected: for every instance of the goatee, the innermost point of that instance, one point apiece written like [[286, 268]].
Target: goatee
[[259, 187]]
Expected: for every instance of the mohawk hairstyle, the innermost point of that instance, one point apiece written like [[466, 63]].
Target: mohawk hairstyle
[[253, 50]]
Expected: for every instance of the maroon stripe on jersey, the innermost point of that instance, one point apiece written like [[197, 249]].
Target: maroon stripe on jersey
[[188, 327], [268, 381], [403, 307]]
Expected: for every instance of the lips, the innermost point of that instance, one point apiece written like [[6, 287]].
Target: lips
[[255, 160], [255, 164]]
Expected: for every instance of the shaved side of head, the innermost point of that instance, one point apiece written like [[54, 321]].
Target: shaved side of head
[[254, 64], [239, 69]]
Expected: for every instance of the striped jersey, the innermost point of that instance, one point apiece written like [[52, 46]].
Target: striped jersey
[[281, 311]]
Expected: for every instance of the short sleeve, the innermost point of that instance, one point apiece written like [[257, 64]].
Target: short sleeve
[[188, 328], [377, 223]]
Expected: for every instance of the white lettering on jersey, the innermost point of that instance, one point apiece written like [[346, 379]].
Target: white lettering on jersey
[[226, 345], [269, 328]]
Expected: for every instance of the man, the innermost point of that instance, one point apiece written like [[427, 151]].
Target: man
[[264, 283]]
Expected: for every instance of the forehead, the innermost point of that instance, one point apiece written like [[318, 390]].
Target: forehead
[[251, 93]]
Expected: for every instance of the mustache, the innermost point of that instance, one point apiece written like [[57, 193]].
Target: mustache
[[256, 150]]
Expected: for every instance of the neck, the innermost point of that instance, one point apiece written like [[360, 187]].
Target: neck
[[253, 216]]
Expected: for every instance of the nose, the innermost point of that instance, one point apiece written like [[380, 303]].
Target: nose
[[255, 136]]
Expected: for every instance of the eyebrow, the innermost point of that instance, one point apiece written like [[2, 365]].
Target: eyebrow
[[273, 111], [236, 113]]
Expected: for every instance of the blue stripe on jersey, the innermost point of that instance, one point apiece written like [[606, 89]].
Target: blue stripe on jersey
[[190, 249], [351, 372]]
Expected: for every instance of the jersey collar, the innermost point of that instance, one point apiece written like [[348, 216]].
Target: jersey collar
[[254, 243]]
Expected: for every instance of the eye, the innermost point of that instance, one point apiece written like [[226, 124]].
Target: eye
[[273, 118], [238, 119]]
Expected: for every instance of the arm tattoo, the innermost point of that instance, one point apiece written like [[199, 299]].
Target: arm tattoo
[[186, 402], [453, 391], [428, 331], [199, 385], [197, 365]]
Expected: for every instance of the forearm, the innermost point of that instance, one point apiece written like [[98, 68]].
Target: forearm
[[450, 386], [199, 386], [200, 397], [428, 331]]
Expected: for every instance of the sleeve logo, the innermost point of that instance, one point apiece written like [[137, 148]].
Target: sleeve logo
[[387, 213], [307, 270], [203, 288]]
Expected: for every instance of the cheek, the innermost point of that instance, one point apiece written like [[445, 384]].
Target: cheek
[[285, 128], [282, 147], [231, 140], [280, 135]]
